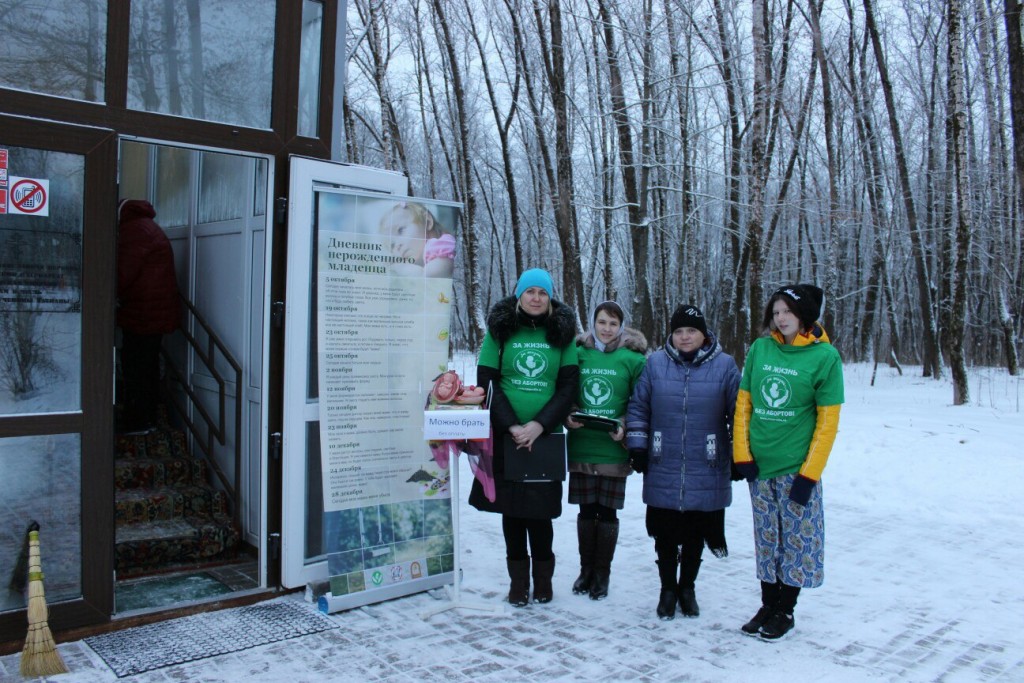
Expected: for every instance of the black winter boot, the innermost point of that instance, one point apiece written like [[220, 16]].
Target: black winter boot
[[769, 596], [586, 533], [688, 568], [604, 551], [543, 570], [669, 596], [519, 588], [781, 621]]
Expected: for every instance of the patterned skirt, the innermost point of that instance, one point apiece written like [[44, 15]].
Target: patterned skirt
[[595, 488], [789, 539]]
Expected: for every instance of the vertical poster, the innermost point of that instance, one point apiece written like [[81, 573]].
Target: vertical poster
[[385, 268]]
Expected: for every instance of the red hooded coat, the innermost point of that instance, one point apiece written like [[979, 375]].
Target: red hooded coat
[[147, 290]]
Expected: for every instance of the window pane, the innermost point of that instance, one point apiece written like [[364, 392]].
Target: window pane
[[309, 68], [54, 48], [222, 193], [172, 186], [40, 479], [208, 60], [134, 171], [41, 284], [260, 202]]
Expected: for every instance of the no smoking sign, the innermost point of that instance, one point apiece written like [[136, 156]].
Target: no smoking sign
[[29, 196]]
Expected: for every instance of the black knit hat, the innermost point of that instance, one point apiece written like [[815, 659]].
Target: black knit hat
[[688, 315], [807, 302]]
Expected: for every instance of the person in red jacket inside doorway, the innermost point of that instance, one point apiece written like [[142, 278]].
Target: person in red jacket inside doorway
[[148, 308]]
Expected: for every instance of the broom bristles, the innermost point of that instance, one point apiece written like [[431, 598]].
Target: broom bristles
[[39, 656]]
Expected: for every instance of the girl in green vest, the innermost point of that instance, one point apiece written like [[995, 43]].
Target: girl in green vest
[[611, 359], [787, 416]]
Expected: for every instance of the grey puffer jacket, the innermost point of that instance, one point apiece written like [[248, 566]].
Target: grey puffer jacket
[[681, 413]]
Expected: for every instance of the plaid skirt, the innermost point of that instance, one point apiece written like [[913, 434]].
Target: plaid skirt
[[789, 539], [595, 488]]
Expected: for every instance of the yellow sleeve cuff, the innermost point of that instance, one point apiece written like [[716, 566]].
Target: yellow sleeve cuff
[[741, 428], [821, 442]]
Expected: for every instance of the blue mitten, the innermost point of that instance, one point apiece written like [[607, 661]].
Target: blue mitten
[[800, 493]]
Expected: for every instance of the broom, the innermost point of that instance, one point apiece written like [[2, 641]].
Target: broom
[[40, 656]]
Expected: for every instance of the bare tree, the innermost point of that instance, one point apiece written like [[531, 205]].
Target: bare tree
[[932, 361], [636, 205], [958, 129]]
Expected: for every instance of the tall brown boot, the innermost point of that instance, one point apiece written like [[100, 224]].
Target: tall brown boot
[[519, 588], [604, 551], [543, 570], [586, 534]]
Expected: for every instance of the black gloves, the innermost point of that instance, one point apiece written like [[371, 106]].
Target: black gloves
[[747, 470], [800, 493], [638, 460]]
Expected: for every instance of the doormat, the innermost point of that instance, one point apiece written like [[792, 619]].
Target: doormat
[[200, 636]]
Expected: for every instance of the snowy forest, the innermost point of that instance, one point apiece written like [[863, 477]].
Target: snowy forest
[[659, 152]]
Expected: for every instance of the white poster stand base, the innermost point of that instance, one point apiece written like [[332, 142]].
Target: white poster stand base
[[455, 600]]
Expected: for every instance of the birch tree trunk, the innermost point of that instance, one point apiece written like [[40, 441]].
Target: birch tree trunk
[[465, 166], [831, 267], [958, 128]]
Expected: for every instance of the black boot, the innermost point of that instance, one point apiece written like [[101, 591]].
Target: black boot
[[519, 588], [769, 596], [543, 570], [586, 532], [667, 600], [688, 568], [781, 620], [604, 551]]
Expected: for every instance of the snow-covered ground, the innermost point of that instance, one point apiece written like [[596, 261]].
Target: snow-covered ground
[[923, 576]]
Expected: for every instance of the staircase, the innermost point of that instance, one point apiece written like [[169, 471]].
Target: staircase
[[168, 516]]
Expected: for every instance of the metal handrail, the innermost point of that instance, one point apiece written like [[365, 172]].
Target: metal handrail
[[215, 425]]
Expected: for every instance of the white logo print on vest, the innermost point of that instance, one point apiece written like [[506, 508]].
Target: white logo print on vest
[[597, 391], [775, 391], [530, 364]]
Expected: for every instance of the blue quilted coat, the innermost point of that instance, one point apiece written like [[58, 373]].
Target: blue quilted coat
[[681, 412]]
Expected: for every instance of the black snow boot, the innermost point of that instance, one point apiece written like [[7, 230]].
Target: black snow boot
[[669, 595], [604, 551], [543, 570], [769, 597], [519, 588], [781, 621], [586, 532], [688, 568]]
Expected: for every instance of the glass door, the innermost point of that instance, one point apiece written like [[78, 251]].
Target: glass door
[[57, 252], [302, 536]]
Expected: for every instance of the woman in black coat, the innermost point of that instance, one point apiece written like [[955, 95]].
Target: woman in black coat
[[528, 359]]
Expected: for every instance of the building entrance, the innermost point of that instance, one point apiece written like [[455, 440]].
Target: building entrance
[[190, 494]]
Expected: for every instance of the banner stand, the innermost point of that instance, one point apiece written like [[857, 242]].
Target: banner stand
[[455, 600]]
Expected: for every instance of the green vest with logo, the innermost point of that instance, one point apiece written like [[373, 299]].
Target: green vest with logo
[[787, 384], [606, 382], [529, 368]]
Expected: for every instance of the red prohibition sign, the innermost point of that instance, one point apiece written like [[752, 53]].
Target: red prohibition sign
[[25, 203]]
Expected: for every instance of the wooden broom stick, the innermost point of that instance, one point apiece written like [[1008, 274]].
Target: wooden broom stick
[[40, 656]]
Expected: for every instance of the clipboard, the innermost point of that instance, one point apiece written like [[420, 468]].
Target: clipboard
[[545, 462], [604, 424]]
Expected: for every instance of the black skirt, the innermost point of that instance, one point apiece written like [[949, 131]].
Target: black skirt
[[689, 526]]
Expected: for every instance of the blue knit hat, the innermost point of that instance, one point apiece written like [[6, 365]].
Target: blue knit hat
[[535, 277]]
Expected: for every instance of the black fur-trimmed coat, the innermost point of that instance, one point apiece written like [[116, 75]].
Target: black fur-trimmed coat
[[533, 500]]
